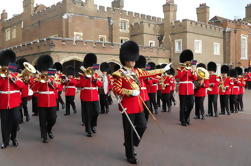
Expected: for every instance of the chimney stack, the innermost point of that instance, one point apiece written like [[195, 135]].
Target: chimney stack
[[4, 15], [203, 13]]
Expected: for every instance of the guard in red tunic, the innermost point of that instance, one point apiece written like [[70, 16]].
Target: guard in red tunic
[[10, 95], [185, 77], [200, 91], [33, 86], [213, 90], [249, 78], [127, 86], [58, 66], [242, 84], [159, 95], [224, 90], [47, 98], [152, 89], [104, 90], [165, 91], [235, 90], [171, 73], [69, 83], [24, 91], [90, 82]]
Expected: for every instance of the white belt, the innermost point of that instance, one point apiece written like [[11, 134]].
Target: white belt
[[154, 84], [185, 82], [236, 87], [89, 88], [143, 88], [70, 87], [9, 92], [46, 92]]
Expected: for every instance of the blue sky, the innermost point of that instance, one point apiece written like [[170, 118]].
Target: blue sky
[[186, 8]]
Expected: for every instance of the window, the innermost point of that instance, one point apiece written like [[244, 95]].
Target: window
[[244, 47], [178, 46], [55, 35], [14, 32], [216, 48], [78, 36], [151, 43], [124, 25], [123, 39], [102, 38], [7, 34], [198, 46]]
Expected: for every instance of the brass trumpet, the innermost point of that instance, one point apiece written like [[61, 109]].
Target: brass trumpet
[[202, 75], [27, 72], [4, 71], [88, 72]]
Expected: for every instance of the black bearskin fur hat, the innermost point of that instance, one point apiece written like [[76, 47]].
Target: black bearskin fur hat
[[70, 71], [239, 70], [20, 63], [44, 62], [58, 66], [224, 69], [152, 65], [202, 65], [233, 73], [104, 67], [171, 71], [141, 62], [211, 66], [186, 55], [129, 51], [6, 57], [89, 60]]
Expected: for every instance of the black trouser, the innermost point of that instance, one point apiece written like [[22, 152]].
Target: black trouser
[[90, 114], [172, 97], [240, 102], [9, 123], [70, 103], [158, 97], [59, 100], [130, 137], [146, 111], [104, 104], [24, 108], [199, 106], [186, 106], [224, 103], [47, 119], [153, 102], [234, 103], [166, 101], [34, 104], [249, 85], [212, 104]]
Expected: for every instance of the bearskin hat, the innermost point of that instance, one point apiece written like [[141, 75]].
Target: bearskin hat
[[224, 69], [171, 71], [104, 67], [249, 69], [239, 70], [186, 55], [44, 62], [116, 67], [201, 65], [89, 60], [152, 65], [233, 73], [58, 66], [246, 70], [70, 71], [129, 51], [141, 62], [158, 67], [211, 66], [20, 63], [6, 57], [162, 65]]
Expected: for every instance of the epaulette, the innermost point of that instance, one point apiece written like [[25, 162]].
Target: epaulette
[[117, 74]]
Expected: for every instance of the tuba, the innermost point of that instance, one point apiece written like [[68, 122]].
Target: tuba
[[87, 72], [27, 72], [202, 75]]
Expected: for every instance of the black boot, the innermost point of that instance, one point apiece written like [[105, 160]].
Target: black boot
[[132, 160], [15, 142]]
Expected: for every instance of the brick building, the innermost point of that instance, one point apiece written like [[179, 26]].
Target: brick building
[[71, 28]]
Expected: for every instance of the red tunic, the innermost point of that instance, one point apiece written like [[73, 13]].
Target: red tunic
[[143, 89], [46, 94], [153, 86], [125, 83], [202, 91], [226, 81], [25, 90], [10, 94], [214, 82], [235, 89], [70, 87], [185, 78], [166, 85], [89, 91], [242, 84]]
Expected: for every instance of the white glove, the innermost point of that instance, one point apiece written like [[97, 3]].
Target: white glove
[[167, 67], [135, 92]]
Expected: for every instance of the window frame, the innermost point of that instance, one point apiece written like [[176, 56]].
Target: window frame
[[198, 51], [7, 34], [76, 34], [102, 36], [126, 25], [177, 50], [151, 41], [246, 47], [216, 51], [123, 38]]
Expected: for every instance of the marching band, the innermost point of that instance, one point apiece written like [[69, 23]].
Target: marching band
[[139, 87]]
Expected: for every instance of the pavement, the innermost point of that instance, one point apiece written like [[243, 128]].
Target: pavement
[[222, 141]]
